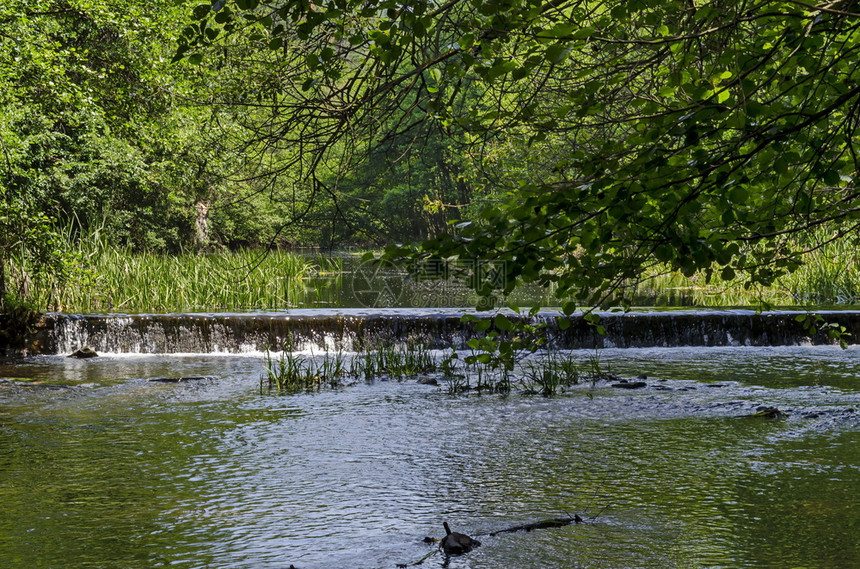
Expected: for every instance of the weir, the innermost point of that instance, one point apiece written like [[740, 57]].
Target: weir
[[357, 329]]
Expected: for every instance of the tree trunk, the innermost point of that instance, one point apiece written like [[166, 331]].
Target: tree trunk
[[201, 225], [2, 285]]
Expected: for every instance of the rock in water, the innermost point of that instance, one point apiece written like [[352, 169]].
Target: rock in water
[[180, 379], [83, 353], [455, 543], [624, 384], [768, 413]]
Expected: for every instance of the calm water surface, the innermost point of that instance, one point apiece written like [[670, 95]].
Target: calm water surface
[[99, 467]]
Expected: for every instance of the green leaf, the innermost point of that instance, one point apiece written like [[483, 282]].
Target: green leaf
[[466, 41], [559, 30], [556, 53], [201, 11], [831, 178], [583, 33], [664, 253], [738, 195], [503, 323]]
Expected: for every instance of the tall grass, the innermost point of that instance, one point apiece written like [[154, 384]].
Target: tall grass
[[829, 276], [291, 372], [115, 279], [119, 280], [144, 282]]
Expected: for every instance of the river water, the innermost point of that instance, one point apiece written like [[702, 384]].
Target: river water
[[101, 467]]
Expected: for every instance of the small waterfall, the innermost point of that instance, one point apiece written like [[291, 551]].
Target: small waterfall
[[354, 330], [244, 333]]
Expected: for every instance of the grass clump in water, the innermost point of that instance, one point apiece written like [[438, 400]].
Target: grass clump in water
[[296, 372], [554, 374], [545, 374], [291, 372]]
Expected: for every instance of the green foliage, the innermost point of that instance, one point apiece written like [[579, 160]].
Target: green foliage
[[816, 324], [31, 255], [98, 131], [403, 190], [553, 374], [77, 83], [546, 373], [585, 145], [611, 136]]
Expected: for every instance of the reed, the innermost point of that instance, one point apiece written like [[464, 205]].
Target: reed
[[829, 276], [550, 375], [124, 281], [291, 373]]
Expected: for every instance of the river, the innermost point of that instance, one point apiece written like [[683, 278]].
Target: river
[[102, 467]]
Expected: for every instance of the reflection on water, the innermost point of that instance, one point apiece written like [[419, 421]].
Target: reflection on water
[[368, 284], [345, 281], [117, 471]]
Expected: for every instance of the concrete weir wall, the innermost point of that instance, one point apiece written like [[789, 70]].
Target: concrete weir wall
[[357, 329]]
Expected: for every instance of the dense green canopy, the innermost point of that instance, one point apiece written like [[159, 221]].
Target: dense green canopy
[[610, 135]]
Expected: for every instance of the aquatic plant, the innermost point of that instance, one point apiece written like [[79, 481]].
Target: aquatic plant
[[546, 373], [291, 372], [135, 282], [596, 369], [550, 375], [114, 278]]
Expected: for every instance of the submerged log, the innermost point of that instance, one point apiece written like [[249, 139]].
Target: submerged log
[[455, 543], [544, 524]]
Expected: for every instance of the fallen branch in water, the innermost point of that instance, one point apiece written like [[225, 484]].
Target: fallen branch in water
[[456, 543], [543, 524], [420, 561]]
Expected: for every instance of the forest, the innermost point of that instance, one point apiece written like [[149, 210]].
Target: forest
[[586, 145]]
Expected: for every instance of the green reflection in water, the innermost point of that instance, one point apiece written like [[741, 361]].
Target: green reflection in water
[[95, 487], [134, 474]]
